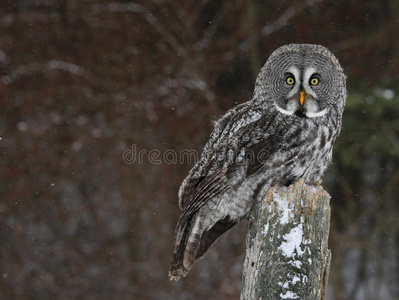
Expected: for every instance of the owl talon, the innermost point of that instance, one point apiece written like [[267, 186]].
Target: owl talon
[[251, 218], [316, 183]]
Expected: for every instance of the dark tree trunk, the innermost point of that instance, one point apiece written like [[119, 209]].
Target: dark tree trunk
[[287, 254]]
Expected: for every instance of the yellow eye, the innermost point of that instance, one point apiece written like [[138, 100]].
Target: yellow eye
[[290, 80], [314, 81]]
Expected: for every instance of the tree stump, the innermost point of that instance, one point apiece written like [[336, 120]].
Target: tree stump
[[287, 254]]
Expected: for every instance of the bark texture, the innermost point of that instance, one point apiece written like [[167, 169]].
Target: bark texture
[[287, 254]]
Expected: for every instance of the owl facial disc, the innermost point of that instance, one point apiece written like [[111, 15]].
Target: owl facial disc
[[302, 99]]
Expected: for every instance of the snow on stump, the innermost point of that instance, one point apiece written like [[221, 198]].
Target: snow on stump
[[287, 254]]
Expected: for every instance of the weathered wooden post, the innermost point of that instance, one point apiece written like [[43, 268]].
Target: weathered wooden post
[[287, 254]]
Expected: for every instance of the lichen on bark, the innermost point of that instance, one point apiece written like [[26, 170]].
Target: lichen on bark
[[287, 253]]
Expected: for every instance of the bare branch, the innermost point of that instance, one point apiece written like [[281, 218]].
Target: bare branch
[[4, 58], [115, 7], [282, 21], [38, 67]]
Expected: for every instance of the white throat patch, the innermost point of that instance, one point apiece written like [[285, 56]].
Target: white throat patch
[[286, 112], [317, 114]]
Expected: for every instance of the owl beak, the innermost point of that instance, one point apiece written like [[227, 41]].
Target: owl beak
[[301, 97]]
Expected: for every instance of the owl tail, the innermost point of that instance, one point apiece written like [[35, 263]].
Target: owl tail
[[192, 241]]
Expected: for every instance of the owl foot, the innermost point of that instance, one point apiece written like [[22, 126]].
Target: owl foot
[[251, 218], [315, 183]]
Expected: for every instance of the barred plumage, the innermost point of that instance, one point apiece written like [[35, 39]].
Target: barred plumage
[[284, 133]]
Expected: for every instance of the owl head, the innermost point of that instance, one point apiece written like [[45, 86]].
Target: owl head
[[302, 80]]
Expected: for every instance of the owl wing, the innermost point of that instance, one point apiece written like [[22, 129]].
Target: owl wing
[[256, 149], [194, 184], [211, 176]]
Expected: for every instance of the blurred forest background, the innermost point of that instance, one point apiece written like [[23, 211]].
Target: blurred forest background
[[83, 82]]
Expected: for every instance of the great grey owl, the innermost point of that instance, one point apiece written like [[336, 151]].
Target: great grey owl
[[284, 133]]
